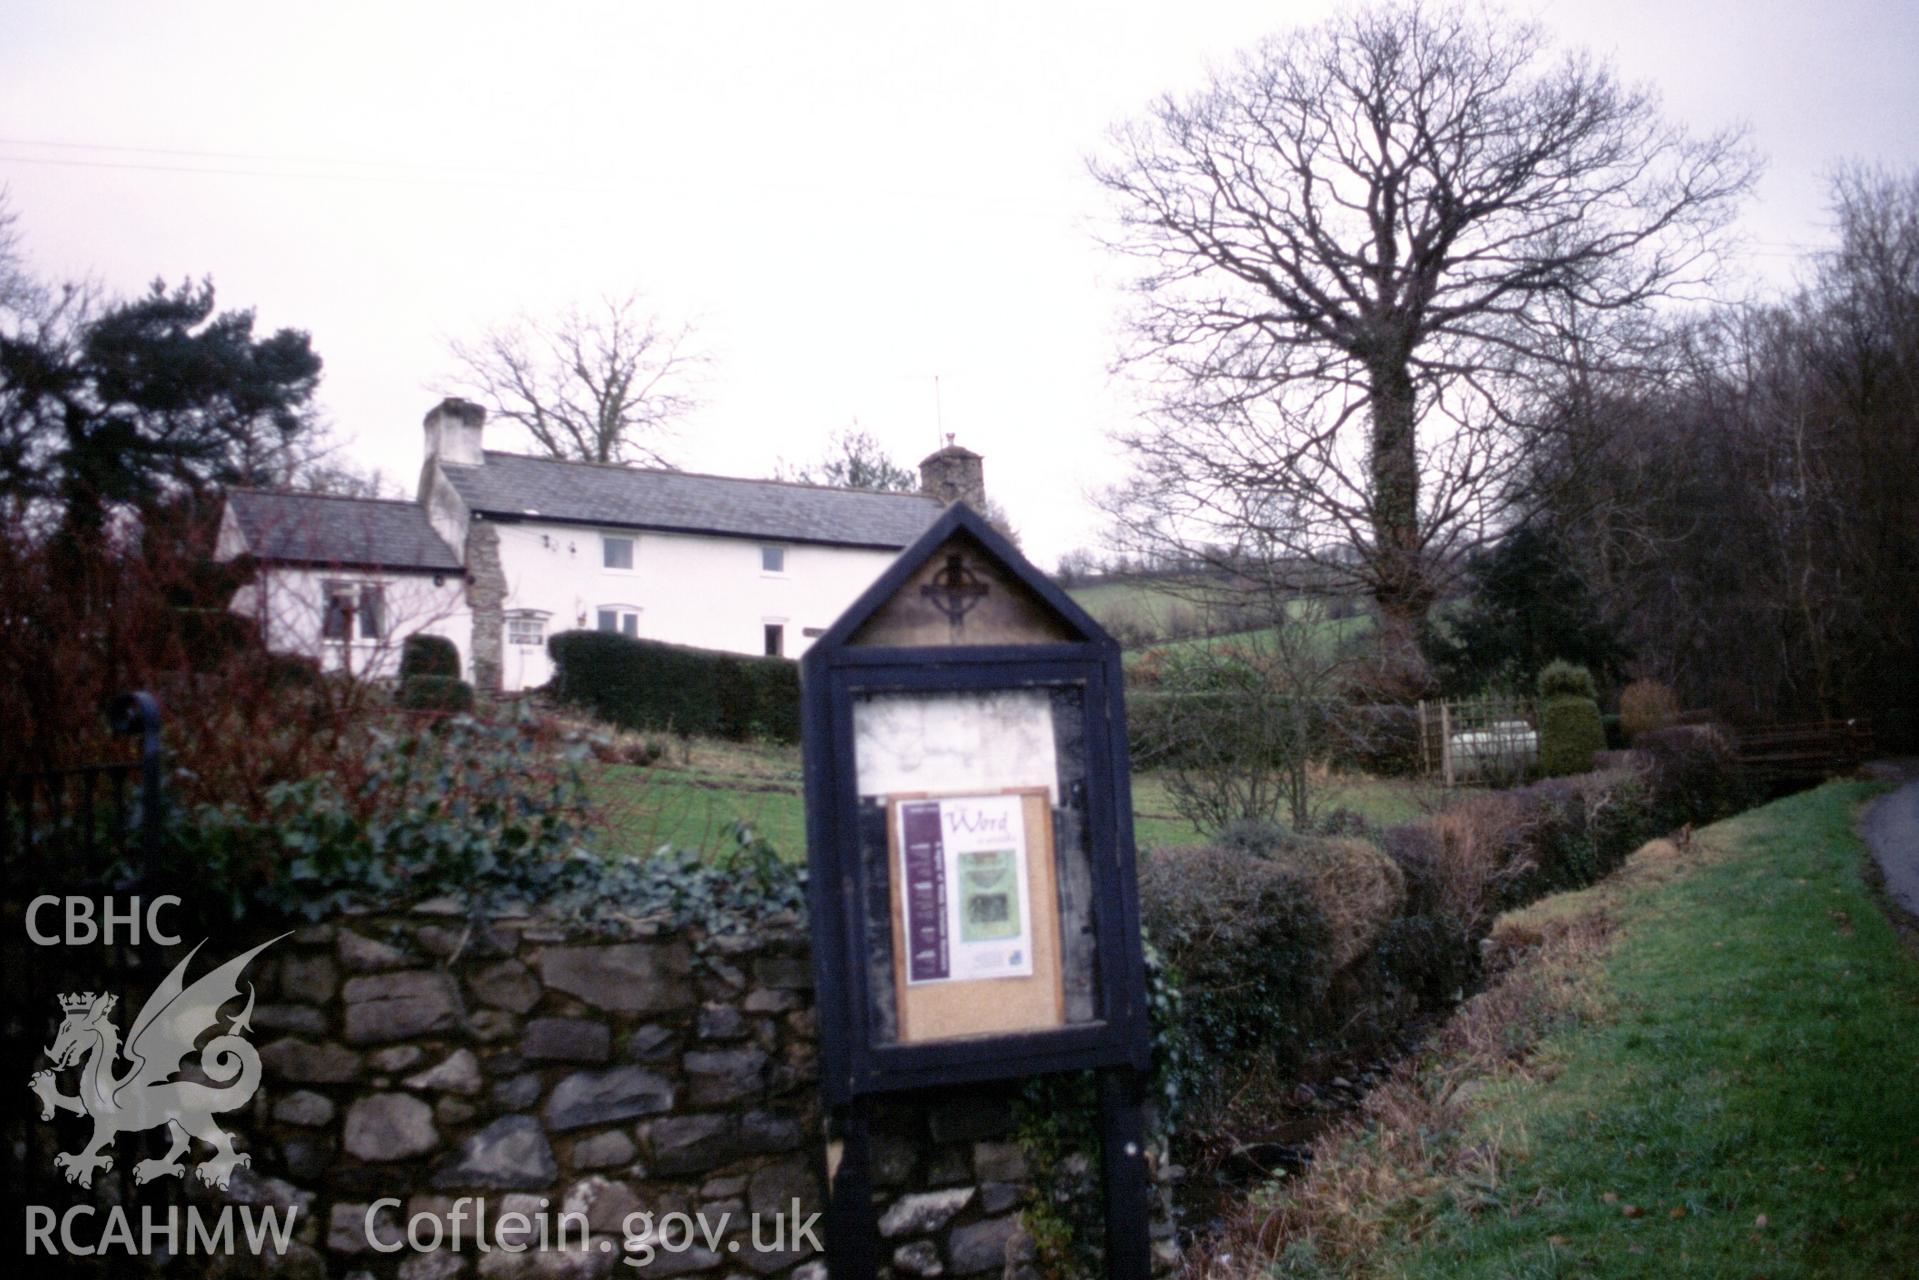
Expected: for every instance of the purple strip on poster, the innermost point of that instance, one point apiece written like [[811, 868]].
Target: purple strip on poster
[[924, 893]]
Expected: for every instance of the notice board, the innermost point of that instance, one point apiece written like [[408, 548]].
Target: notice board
[[975, 914]]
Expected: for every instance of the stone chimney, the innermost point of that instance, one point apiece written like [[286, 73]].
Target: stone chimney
[[453, 430], [954, 474]]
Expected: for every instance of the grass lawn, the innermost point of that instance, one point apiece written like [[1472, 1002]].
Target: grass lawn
[[1150, 606], [1384, 802], [691, 798], [1732, 1089], [1328, 633]]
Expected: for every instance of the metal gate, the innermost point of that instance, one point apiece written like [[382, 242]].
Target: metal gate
[[86, 834]]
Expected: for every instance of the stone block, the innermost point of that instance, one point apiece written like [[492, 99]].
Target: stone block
[[604, 1150], [304, 1062], [999, 1162], [631, 977], [395, 1006], [918, 1259], [982, 1246], [361, 954], [566, 1040], [304, 1107], [512, 1153], [690, 1144], [602, 1097], [458, 1073], [508, 985], [725, 1075], [923, 1213], [389, 1126]]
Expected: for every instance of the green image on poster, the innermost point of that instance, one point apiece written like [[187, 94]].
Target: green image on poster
[[989, 895]]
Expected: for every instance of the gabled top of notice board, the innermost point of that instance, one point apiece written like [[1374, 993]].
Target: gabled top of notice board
[[961, 584]]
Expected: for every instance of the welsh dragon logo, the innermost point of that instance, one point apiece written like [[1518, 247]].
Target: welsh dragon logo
[[145, 1095]]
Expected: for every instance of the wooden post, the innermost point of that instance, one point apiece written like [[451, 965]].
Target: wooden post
[[852, 1227], [1122, 1141], [1446, 742]]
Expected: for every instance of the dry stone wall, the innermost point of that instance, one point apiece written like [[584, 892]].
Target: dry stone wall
[[440, 1074]]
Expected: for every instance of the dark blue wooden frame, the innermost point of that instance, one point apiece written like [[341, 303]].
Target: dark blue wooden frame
[[832, 674]]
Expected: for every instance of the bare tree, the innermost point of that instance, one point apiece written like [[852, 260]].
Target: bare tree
[[604, 384], [1236, 724], [1359, 245], [853, 460], [18, 289]]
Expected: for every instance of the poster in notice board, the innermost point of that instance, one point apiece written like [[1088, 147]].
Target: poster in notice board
[[975, 914]]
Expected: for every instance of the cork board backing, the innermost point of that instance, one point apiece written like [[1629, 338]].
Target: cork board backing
[[986, 1006]]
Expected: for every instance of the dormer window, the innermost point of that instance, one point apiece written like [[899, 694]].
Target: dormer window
[[616, 552]]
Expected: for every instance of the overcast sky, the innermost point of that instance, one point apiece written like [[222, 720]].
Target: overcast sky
[[847, 199]]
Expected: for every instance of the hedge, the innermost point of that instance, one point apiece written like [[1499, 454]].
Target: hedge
[[424, 655], [436, 693], [648, 684]]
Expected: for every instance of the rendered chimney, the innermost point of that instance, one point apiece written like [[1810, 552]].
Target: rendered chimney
[[453, 429], [954, 474]]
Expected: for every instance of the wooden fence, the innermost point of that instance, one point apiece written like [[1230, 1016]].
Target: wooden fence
[[1479, 740]]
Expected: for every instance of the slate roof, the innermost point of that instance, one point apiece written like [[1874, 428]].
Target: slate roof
[[369, 533], [513, 485]]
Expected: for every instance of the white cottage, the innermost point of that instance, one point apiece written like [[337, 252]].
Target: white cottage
[[500, 551]]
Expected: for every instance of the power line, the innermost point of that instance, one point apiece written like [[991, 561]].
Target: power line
[[474, 179]]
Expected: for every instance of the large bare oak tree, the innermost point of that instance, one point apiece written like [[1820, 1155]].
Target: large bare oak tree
[[598, 384], [1360, 246]]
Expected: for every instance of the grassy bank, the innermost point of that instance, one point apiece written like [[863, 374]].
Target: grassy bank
[[1705, 1066]]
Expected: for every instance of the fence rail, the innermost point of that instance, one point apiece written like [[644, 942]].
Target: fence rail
[[1479, 740], [1806, 751]]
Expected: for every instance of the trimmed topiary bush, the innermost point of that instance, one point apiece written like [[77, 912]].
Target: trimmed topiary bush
[[1570, 729], [648, 685], [1570, 734], [1646, 706], [424, 655], [1563, 679], [436, 693]]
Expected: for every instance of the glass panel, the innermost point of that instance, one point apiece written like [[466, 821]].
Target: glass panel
[[339, 604], [927, 765], [630, 624], [609, 620], [775, 640], [372, 613], [773, 559], [617, 553]]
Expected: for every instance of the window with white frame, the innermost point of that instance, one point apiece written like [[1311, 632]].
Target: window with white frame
[[526, 630], [616, 552], [774, 635], [773, 560], [353, 610], [621, 618]]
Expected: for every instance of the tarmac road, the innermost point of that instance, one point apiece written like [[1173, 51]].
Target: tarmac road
[[1891, 829]]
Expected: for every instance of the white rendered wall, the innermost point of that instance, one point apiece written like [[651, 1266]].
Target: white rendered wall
[[686, 588], [289, 604]]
